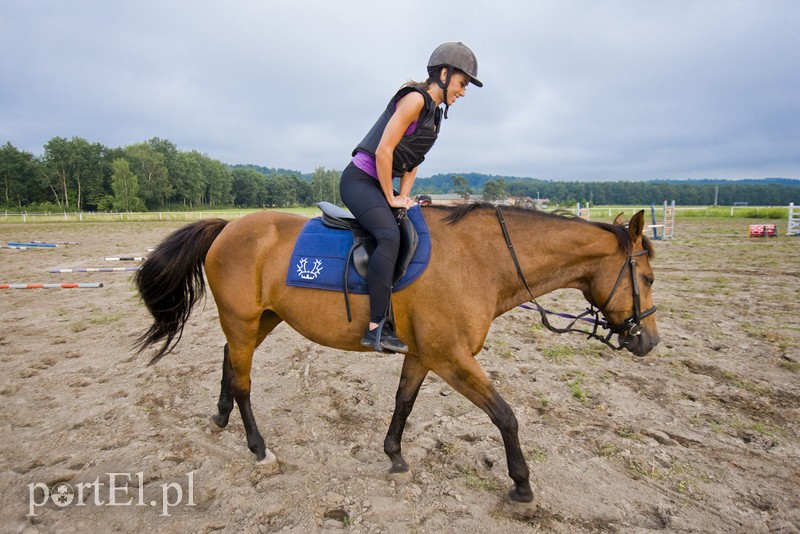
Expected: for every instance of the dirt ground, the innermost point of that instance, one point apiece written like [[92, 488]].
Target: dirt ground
[[701, 435]]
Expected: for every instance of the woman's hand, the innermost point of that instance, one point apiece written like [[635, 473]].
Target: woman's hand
[[401, 201]]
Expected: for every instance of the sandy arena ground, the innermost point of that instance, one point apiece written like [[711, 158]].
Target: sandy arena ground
[[702, 435]]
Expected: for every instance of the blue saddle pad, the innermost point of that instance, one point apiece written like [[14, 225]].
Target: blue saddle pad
[[320, 254]]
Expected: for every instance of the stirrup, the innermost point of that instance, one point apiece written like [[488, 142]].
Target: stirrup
[[383, 339]]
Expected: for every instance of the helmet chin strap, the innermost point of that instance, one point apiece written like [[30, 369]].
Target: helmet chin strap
[[444, 85]]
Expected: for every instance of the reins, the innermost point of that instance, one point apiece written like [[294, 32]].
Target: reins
[[510, 245], [632, 324]]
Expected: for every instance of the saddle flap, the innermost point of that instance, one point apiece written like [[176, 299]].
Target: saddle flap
[[409, 240]]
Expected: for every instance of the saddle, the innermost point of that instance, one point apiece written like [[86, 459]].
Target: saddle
[[364, 244]]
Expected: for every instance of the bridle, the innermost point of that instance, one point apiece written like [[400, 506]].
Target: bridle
[[592, 314]]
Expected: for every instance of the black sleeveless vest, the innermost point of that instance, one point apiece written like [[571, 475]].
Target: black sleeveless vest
[[411, 150]]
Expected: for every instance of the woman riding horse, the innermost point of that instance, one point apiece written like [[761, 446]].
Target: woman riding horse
[[445, 314], [394, 148]]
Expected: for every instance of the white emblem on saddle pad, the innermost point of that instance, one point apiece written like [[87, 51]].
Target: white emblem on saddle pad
[[304, 273]]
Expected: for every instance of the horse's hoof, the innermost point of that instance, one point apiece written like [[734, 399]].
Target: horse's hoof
[[214, 426], [399, 467], [401, 477], [524, 494], [523, 511], [269, 463]]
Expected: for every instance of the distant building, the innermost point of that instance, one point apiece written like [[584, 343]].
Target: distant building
[[453, 199], [528, 202]]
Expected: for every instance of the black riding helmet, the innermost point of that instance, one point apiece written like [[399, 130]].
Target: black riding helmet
[[453, 55]]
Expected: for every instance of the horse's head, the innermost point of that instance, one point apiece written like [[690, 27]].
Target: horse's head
[[623, 289]]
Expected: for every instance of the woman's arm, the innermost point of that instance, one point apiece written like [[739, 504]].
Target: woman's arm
[[407, 111], [407, 182]]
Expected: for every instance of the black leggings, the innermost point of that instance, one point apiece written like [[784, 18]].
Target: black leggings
[[362, 194]]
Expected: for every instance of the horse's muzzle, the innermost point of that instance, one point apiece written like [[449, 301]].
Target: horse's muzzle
[[640, 343]]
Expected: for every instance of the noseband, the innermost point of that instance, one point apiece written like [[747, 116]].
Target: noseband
[[592, 314]]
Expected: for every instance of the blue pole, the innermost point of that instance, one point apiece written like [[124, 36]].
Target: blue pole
[[653, 216]]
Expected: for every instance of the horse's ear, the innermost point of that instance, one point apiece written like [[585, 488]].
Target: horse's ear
[[619, 220], [636, 226]]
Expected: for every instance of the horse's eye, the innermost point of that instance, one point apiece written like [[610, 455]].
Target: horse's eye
[[649, 280]]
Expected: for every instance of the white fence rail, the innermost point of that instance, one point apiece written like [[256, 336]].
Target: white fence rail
[[85, 216]]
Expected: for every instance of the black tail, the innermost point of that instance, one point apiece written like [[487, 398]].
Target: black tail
[[171, 282]]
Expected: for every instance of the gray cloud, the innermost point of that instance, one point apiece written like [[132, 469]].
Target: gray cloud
[[574, 90]]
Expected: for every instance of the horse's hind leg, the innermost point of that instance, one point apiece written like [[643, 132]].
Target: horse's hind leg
[[411, 379], [225, 403], [235, 384]]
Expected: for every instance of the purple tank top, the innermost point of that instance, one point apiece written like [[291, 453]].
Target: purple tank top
[[366, 163]]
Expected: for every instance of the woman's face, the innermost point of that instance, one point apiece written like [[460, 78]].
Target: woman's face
[[457, 88], [458, 85]]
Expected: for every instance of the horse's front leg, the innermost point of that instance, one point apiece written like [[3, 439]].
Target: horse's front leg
[[504, 419], [467, 377], [411, 379]]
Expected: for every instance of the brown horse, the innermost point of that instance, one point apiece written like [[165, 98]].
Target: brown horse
[[475, 275]]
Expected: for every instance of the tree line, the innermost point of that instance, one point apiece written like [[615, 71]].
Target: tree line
[[77, 175], [766, 192]]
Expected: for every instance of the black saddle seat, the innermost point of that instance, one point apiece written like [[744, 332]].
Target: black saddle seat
[[364, 244]]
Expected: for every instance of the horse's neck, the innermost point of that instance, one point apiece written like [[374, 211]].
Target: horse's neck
[[553, 254], [565, 254]]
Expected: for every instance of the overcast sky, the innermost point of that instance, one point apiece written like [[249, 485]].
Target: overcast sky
[[611, 90]]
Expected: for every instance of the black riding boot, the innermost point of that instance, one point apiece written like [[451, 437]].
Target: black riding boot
[[388, 342]]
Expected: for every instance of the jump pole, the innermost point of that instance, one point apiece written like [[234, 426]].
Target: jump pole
[[132, 258], [655, 226], [51, 286], [31, 244], [94, 270]]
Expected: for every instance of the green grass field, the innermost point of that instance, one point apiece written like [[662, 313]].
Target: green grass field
[[597, 212]]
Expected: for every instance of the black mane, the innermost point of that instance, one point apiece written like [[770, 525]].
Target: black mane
[[457, 213]]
